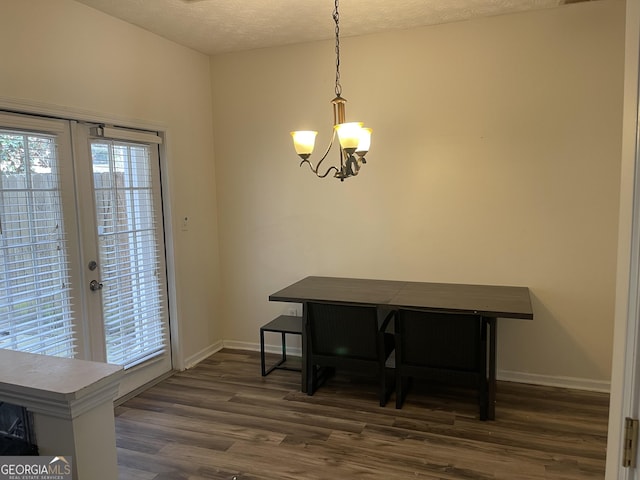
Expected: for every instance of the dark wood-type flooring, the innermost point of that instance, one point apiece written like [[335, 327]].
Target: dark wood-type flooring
[[223, 420]]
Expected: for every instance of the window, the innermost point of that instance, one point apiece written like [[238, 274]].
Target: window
[[129, 251], [35, 302]]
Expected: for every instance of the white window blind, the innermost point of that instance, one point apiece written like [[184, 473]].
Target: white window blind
[[35, 303], [132, 296]]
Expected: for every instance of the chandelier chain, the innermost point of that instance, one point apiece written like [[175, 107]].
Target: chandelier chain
[[336, 19]]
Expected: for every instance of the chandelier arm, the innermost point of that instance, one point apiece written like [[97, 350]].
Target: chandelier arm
[[333, 138], [315, 169], [332, 167]]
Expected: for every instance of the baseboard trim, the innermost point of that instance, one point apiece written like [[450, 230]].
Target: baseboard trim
[[127, 396], [555, 381], [197, 357], [504, 375], [255, 347]]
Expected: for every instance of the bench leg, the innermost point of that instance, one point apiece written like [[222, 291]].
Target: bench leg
[[279, 364], [284, 325], [264, 372]]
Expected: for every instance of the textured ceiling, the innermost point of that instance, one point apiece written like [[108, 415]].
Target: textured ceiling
[[218, 26]]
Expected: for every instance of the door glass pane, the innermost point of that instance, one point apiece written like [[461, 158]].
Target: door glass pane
[[129, 251], [35, 302]]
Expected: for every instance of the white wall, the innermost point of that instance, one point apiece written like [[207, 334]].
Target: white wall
[[65, 56], [495, 159]]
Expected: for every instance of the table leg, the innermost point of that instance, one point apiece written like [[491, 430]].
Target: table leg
[[304, 373], [262, 366], [284, 347], [493, 334], [483, 394]]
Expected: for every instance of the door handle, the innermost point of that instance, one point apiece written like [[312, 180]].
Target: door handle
[[95, 285]]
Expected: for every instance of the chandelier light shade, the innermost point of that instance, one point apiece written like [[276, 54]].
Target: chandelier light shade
[[303, 142], [353, 137], [364, 143], [349, 135]]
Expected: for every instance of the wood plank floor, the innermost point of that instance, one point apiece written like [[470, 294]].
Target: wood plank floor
[[222, 420]]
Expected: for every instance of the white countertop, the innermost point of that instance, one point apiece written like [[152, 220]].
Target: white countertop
[[33, 380]]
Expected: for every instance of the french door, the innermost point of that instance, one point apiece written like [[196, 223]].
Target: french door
[[82, 258]]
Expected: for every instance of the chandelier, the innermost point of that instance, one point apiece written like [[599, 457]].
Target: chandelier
[[354, 139]]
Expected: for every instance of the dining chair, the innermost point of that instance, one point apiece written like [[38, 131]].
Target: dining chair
[[350, 338], [445, 347]]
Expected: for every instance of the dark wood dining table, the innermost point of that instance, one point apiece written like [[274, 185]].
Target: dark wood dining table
[[487, 301]]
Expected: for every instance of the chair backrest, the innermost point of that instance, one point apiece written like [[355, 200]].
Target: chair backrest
[[438, 340], [349, 331]]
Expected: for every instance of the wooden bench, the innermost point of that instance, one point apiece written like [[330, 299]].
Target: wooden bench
[[284, 324]]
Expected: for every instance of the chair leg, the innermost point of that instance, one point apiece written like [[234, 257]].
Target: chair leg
[[387, 385], [483, 400], [312, 379], [309, 378], [403, 384], [382, 393], [399, 391], [483, 409]]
